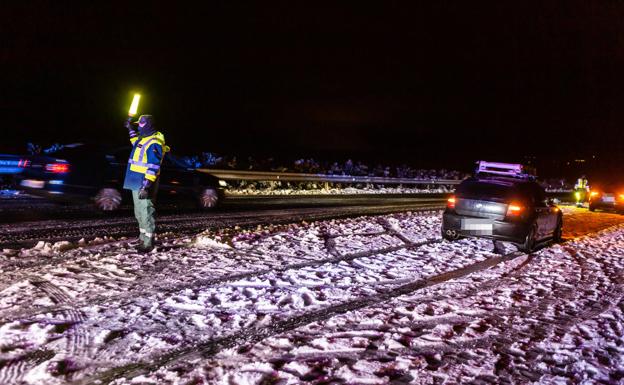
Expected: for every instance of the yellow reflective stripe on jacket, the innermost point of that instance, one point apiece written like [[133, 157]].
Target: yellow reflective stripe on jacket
[[151, 178]]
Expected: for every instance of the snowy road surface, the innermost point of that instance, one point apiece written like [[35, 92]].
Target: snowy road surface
[[367, 300], [30, 220]]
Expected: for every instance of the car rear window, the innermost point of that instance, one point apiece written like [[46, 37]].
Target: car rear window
[[490, 190]]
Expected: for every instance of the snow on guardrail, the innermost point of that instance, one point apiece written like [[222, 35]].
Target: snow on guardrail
[[299, 177]]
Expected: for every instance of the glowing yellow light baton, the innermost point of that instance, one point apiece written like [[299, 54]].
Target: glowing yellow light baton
[[135, 105]]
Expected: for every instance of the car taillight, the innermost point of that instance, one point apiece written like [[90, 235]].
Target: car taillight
[[57, 168], [514, 209], [450, 203], [23, 163]]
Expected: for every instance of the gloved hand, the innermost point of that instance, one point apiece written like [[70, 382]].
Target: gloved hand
[[131, 131], [144, 192]]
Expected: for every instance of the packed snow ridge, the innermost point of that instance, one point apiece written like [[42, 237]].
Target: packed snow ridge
[[369, 300]]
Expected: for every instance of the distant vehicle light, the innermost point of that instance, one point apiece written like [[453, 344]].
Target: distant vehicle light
[[621, 196], [450, 203], [23, 163], [593, 193], [55, 182], [57, 168]]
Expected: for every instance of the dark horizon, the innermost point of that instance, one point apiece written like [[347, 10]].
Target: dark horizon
[[431, 84]]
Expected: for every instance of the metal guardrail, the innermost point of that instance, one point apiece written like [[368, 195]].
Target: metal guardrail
[[298, 177]]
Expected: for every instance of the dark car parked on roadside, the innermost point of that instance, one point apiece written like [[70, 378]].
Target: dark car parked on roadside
[[607, 197], [87, 172], [503, 205]]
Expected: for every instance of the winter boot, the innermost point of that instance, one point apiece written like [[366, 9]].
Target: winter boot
[[143, 249], [147, 246]]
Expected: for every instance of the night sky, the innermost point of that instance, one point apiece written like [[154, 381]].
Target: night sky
[[439, 84]]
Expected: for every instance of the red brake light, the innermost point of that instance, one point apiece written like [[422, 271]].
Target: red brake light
[[450, 203], [57, 168], [514, 209]]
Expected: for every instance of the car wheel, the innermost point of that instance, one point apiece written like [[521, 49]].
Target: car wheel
[[208, 198], [529, 242], [592, 208], [108, 199], [558, 233]]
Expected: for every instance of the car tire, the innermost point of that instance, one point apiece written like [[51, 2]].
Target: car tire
[[592, 208], [108, 199], [529, 242], [208, 198], [558, 233]]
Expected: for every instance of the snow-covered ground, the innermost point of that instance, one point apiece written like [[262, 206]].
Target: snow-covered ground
[[370, 300]]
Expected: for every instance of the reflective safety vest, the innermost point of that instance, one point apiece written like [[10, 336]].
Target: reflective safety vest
[[581, 183], [145, 159]]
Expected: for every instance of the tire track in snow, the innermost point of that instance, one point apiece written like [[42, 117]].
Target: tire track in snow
[[510, 366], [454, 352], [160, 288], [484, 286], [77, 338], [8, 266], [12, 371], [248, 337], [188, 224], [519, 367], [150, 275]]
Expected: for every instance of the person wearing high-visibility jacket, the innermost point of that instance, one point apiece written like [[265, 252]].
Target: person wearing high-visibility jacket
[[581, 190], [148, 150]]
